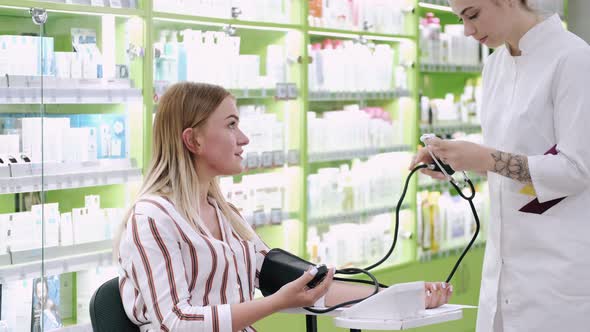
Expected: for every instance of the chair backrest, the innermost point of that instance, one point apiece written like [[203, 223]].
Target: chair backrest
[[106, 309]]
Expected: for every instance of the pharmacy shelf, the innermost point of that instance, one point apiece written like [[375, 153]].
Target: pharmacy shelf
[[204, 20], [69, 96], [357, 95], [353, 154], [84, 327], [253, 93], [255, 161], [16, 89], [263, 218], [432, 68], [160, 88], [351, 34], [352, 216], [426, 256], [445, 185], [438, 5], [70, 180], [22, 265], [62, 7], [451, 128]]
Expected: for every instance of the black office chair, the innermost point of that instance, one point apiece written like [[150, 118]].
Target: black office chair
[[106, 310]]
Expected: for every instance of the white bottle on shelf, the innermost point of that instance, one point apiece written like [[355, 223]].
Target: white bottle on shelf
[[171, 55]]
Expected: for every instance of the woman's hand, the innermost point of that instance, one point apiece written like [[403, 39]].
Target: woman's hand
[[424, 157], [296, 293], [437, 294], [460, 155]]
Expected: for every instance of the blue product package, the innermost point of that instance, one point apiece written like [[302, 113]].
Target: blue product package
[[112, 132], [181, 63], [46, 304]]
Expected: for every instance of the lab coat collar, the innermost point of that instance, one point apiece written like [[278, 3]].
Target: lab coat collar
[[537, 35]]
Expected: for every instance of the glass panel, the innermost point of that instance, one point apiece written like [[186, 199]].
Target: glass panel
[[22, 66], [94, 103], [71, 117]]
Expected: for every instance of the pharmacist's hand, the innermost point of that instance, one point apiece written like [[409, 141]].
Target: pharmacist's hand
[[424, 157], [437, 294], [463, 155], [296, 293]]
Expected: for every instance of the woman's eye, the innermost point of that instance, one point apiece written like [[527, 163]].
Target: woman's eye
[[232, 125], [472, 17]]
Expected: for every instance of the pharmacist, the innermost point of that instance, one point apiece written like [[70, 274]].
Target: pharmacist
[[535, 117]]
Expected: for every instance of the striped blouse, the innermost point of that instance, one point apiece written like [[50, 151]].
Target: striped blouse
[[173, 278]]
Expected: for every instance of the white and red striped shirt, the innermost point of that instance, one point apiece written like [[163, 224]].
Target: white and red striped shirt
[[173, 278]]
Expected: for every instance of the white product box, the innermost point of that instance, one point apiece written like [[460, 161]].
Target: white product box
[[31, 138], [3, 233], [114, 219], [80, 144], [76, 66], [9, 144], [22, 231], [92, 202], [88, 225], [80, 226], [17, 304], [63, 64], [53, 138], [4, 170], [66, 229], [51, 217], [86, 283]]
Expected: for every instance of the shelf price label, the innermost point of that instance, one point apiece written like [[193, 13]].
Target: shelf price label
[[278, 158], [293, 157], [276, 216], [292, 91], [260, 218], [267, 159], [252, 160], [286, 91], [282, 91]]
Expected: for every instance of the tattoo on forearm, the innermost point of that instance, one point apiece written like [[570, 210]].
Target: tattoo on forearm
[[512, 166]]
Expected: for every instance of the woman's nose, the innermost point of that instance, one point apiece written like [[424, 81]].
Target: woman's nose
[[243, 139], [469, 29]]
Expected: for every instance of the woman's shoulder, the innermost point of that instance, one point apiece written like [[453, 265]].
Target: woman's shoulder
[[154, 206]]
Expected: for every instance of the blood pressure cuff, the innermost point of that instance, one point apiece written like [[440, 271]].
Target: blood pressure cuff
[[279, 268]]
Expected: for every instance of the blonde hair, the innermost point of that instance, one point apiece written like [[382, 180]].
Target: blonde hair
[[171, 172]]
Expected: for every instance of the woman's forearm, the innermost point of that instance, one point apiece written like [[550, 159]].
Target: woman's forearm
[[513, 166], [247, 313], [344, 291]]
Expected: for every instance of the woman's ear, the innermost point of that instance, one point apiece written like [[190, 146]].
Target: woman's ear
[[190, 141]]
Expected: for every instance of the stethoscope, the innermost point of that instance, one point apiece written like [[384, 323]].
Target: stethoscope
[[448, 172]]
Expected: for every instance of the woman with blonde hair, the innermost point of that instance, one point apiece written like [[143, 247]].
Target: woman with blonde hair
[[188, 260]]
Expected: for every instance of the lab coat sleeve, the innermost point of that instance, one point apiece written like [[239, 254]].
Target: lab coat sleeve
[[568, 172]]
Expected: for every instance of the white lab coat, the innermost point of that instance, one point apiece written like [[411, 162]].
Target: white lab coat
[[536, 272]]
